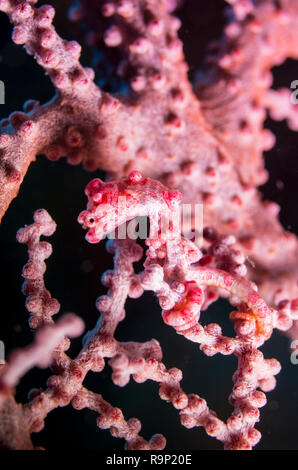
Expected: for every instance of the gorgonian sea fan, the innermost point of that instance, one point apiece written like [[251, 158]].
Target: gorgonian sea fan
[[162, 142]]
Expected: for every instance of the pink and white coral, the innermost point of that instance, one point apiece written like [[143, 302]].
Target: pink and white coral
[[162, 142]]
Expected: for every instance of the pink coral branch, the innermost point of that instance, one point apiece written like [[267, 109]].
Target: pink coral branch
[[146, 34], [50, 344], [188, 151], [39, 301], [180, 283], [258, 36], [40, 352], [112, 418]]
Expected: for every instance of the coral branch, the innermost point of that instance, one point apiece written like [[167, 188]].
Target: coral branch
[[39, 301], [112, 418], [180, 283], [258, 36], [40, 353], [50, 344], [146, 34]]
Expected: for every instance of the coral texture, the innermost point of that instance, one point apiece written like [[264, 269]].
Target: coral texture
[[163, 143]]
